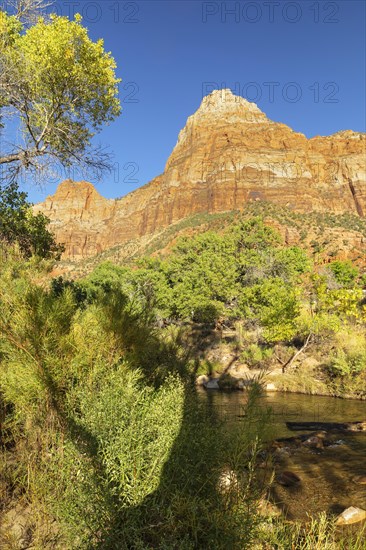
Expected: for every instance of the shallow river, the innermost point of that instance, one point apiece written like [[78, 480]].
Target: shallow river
[[328, 476]]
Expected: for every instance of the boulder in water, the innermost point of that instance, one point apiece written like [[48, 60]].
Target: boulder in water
[[351, 515], [288, 479], [314, 442], [202, 380], [212, 384]]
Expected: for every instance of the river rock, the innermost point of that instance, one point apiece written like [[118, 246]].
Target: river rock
[[228, 480], [282, 451], [314, 442], [351, 515], [202, 380], [358, 427], [360, 480], [288, 479], [212, 384], [337, 443]]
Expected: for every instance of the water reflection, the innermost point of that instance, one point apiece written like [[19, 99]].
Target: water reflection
[[327, 475]]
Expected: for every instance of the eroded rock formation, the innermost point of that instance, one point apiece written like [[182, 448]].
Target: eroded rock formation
[[228, 154]]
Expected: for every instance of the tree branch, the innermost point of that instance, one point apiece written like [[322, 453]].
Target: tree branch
[[24, 157], [301, 350]]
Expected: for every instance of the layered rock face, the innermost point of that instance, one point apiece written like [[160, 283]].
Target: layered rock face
[[228, 154]]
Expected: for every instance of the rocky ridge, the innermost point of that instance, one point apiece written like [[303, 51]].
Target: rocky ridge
[[228, 155]]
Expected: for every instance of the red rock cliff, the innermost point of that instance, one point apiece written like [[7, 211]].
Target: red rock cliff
[[228, 153]]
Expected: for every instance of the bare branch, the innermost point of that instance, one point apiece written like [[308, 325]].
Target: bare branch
[[298, 352], [28, 11]]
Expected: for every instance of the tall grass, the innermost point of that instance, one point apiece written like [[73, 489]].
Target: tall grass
[[106, 441], [105, 444]]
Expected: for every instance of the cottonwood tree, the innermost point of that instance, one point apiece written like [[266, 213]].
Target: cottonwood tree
[[58, 88], [27, 11]]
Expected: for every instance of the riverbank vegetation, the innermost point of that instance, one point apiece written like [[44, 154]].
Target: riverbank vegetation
[[105, 443], [260, 304]]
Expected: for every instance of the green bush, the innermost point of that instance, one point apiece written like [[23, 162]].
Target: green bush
[[256, 356], [345, 272], [343, 363], [349, 357], [19, 225], [110, 444]]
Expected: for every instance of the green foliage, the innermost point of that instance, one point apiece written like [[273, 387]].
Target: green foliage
[[341, 302], [319, 533], [110, 441], [345, 272], [19, 225], [68, 371], [68, 83], [201, 276], [349, 357], [253, 234], [208, 276], [243, 272], [348, 363], [274, 304], [291, 262], [256, 356]]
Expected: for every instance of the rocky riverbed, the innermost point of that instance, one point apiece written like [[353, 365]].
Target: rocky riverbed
[[314, 471]]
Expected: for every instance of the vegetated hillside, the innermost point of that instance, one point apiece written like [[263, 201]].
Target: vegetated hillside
[[104, 442], [325, 236], [282, 301], [228, 155]]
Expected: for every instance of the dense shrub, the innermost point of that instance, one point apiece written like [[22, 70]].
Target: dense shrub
[[111, 445], [104, 434], [19, 225]]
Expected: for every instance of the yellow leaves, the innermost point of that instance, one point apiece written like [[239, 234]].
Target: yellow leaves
[[59, 56], [344, 301], [69, 53], [3, 17], [69, 83], [10, 28]]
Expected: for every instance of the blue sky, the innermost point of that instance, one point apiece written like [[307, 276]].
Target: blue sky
[[302, 62]]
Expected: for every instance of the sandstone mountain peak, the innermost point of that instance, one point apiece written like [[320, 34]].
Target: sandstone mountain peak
[[227, 155], [79, 188], [218, 109], [224, 105], [222, 100]]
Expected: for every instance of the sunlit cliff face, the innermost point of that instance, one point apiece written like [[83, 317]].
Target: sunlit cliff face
[[228, 154]]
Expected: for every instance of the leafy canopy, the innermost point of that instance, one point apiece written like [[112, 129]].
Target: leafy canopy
[[60, 85], [345, 272], [19, 225]]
